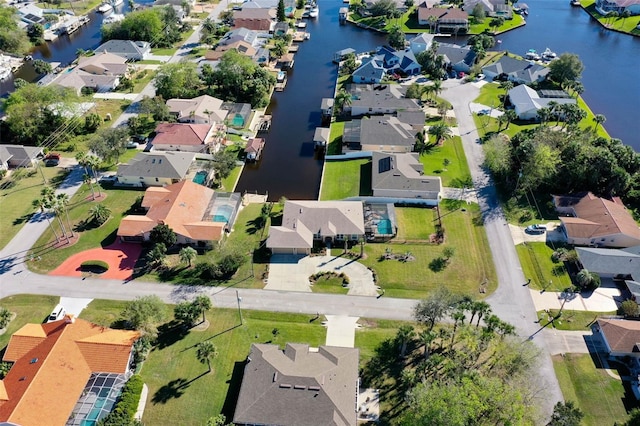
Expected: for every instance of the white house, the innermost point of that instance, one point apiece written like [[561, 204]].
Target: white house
[[527, 101], [155, 169]]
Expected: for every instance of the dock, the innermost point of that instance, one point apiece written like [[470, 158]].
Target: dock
[[264, 124], [280, 86]]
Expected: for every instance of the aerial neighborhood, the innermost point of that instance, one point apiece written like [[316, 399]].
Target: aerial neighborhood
[[279, 212]]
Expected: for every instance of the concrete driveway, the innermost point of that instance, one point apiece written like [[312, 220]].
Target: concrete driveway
[[291, 273], [341, 330], [74, 305], [553, 233], [602, 299]]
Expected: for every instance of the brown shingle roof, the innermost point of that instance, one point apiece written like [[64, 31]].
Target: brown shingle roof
[[622, 335], [181, 134], [597, 217], [44, 384], [181, 206], [254, 145], [443, 15]]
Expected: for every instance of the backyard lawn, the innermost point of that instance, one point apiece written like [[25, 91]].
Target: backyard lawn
[[346, 178], [601, 398], [415, 223], [16, 194], [469, 269], [118, 200], [456, 173], [628, 25], [179, 392], [536, 262], [335, 138]]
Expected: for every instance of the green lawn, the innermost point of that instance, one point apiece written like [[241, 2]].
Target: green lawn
[[16, 195], [118, 200], [508, 24], [178, 390], [164, 51], [628, 25], [335, 138], [468, 269], [456, 174], [570, 320], [415, 223], [599, 396], [229, 183], [78, 7], [346, 178], [331, 285], [536, 262], [28, 309], [244, 238], [141, 79]]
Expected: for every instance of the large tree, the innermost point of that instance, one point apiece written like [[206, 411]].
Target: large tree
[[110, 143], [566, 68], [163, 234], [145, 313], [280, 14], [433, 308], [178, 80], [238, 79], [143, 25], [12, 38], [566, 414], [224, 161], [396, 38]]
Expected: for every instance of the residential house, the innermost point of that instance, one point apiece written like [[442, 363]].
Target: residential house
[[399, 4], [386, 61], [204, 109], [402, 176], [252, 37], [605, 6], [257, 54], [100, 73], [299, 386], [198, 215], [13, 156], [492, 8], [370, 71], [379, 99], [254, 149], [64, 371], [421, 43], [596, 221], [128, 49], [379, 133], [458, 58], [238, 114], [527, 101], [155, 168], [304, 222], [30, 14], [609, 263], [254, 19], [450, 20], [516, 70], [340, 55], [289, 5], [621, 337], [199, 138]]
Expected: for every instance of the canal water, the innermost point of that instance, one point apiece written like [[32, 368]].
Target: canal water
[[611, 61], [289, 167]]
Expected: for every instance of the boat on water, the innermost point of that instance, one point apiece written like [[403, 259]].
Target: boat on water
[[548, 54], [575, 3], [307, 36], [532, 55], [314, 12], [113, 18], [105, 8], [5, 73], [282, 76], [116, 3]]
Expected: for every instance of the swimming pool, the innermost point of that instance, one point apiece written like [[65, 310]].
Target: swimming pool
[[200, 177], [385, 227], [223, 214]]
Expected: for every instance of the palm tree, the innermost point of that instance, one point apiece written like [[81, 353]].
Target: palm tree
[[206, 350], [89, 181], [436, 87], [432, 20], [440, 131], [458, 318], [578, 88], [504, 328], [81, 158], [510, 115], [93, 163], [483, 309], [50, 203], [40, 203], [343, 98], [502, 119], [157, 255], [203, 302], [553, 107], [506, 85], [187, 254], [100, 213], [427, 337], [599, 119], [493, 322], [544, 114], [624, 15], [405, 334], [62, 201]]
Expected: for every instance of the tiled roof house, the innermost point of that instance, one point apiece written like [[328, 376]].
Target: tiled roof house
[[52, 364], [204, 109], [184, 137], [155, 168], [621, 337]]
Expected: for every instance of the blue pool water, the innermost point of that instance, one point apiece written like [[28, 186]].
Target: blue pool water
[[200, 177], [223, 214], [384, 227]]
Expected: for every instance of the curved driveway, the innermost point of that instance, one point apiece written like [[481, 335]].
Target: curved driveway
[[511, 301]]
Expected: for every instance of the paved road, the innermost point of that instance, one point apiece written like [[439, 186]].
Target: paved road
[[511, 301]]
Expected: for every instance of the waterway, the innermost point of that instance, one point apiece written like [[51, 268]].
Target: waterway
[[289, 166], [611, 61]]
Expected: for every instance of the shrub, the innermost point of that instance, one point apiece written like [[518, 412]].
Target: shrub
[[95, 266], [127, 405], [5, 317], [629, 308]]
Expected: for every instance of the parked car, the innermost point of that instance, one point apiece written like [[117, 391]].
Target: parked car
[[132, 144], [57, 313], [108, 179], [536, 229], [52, 159]]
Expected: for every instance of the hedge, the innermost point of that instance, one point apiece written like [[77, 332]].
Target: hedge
[[127, 404]]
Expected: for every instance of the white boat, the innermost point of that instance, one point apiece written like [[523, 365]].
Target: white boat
[[532, 55], [113, 18], [307, 36], [5, 73], [314, 12], [548, 54], [116, 3], [105, 8], [301, 25], [281, 77]]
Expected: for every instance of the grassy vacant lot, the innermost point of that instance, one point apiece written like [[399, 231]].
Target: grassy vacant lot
[[536, 262], [118, 200], [618, 23], [467, 270], [415, 223], [570, 320], [457, 173], [346, 178], [28, 309], [244, 238], [179, 392], [600, 397], [16, 194]]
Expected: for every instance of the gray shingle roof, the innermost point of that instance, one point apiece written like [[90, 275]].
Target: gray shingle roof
[[173, 165], [403, 172], [376, 96], [298, 387], [611, 261], [131, 50], [456, 54], [386, 130], [517, 68]]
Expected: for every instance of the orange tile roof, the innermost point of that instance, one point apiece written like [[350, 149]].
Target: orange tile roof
[[182, 208], [153, 194], [44, 384]]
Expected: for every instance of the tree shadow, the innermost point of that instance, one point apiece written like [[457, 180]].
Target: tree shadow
[[229, 406], [170, 333], [22, 219], [172, 390], [109, 239]]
